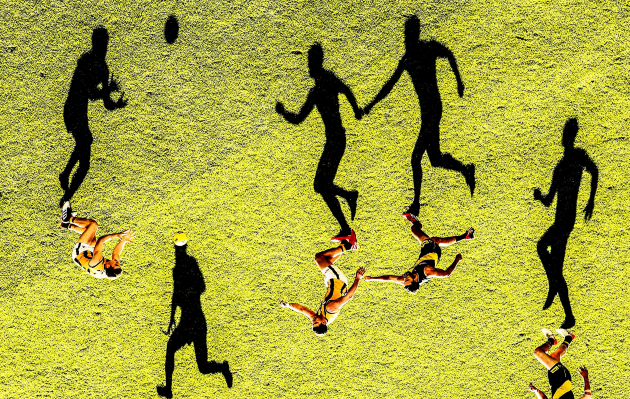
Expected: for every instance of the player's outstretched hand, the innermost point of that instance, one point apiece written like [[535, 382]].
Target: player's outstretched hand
[[458, 257], [121, 103], [127, 235], [283, 304], [113, 84], [588, 211], [532, 388], [470, 233], [280, 108], [360, 273], [583, 372]]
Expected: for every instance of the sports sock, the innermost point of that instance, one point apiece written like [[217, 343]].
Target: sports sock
[[345, 245], [551, 341], [567, 340]]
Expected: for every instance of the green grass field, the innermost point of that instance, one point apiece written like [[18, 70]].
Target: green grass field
[[200, 148]]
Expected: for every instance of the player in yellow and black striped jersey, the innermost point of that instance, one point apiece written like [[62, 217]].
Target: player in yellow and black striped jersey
[[430, 254], [337, 291], [88, 251], [559, 376]]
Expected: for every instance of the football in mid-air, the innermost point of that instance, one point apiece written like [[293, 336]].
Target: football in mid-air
[[171, 29]]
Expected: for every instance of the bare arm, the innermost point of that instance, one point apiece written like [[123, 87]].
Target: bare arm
[[337, 304], [358, 113], [443, 51], [387, 278], [296, 307], [432, 272], [125, 237], [587, 384], [539, 394], [389, 85], [302, 114], [591, 168]]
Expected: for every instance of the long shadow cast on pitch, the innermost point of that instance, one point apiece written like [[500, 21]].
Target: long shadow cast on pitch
[[553, 244]]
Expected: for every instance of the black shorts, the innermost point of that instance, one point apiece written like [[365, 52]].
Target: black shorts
[[429, 246]]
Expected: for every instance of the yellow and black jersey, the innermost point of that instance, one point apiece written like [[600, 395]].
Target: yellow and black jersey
[[560, 382], [82, 255], [336, 289]]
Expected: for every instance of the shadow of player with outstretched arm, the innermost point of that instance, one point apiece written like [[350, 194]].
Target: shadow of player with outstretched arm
[[188, 285], [419, 61], [90, 82], [553, 244], [325, 96]]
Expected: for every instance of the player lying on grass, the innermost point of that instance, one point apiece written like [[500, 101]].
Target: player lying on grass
[[559, 376], [337, 294], [88, 251], [430, 253]]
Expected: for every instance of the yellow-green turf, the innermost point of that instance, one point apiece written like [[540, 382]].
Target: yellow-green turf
[[199, 148]]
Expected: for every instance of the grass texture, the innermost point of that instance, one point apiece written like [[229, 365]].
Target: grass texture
[[199, 148]]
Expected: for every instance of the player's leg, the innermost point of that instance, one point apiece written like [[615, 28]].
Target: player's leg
[[86, 228], [326, 258], [540, 353], [562, 349], [324, 185], [416, 169], [83, 149], [446, 241], [417, 232]]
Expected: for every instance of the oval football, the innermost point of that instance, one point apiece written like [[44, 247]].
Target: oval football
[[171, 29]]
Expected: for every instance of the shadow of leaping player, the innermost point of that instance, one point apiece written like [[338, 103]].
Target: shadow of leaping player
[[188, 285], [553, 244]]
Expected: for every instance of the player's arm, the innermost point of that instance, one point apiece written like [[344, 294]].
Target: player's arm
[[548, 199], [334, 306], [432, 272], [442, 51], [306, 109], [587, 384], [125, 237], [387, 88], [591, 168], [446, 241], [539, 394], [387, 278], [296, 307], [358, 112]]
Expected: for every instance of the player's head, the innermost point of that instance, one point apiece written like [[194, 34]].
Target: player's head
[[412, 30], [569, 133], [320, 329], [315, 60], [100, 39], [112, 269], [180, 239], [410, 284]]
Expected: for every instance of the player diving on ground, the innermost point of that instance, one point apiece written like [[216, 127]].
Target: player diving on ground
[[559, 376], [88, 251], [337, 292], [425, 267]]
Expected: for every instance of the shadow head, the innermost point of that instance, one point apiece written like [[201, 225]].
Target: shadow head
[[100, 40], [412, 31], [569, 133], [315, 60]]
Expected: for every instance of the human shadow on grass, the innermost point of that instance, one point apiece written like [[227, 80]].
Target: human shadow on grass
[[90, 82], [553, 244], [419, 61], [324, 96], [188, 285]]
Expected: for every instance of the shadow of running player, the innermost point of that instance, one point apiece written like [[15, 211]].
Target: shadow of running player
[[419, 61], [90, 82], [188, 285], [553, 244], [325, 96]]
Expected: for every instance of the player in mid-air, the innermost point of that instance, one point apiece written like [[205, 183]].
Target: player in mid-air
[[559, 376], [88, 251], [425, 267], [90, 82], [325, 96], [419, 61], [337, 292]]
